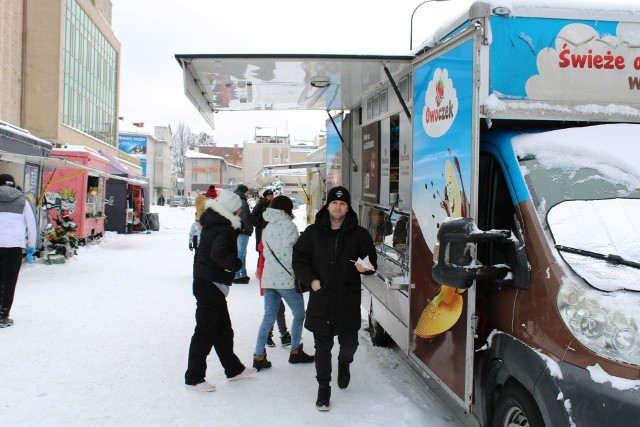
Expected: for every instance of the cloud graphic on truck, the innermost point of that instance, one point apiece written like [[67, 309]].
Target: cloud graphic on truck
[[585, 67], [440, 104]]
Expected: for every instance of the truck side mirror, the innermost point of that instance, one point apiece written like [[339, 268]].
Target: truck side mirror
[[454, 257]]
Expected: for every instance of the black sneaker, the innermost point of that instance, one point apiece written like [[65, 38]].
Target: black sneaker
[[261, 362], [286, 339], [5, 322], [242, 280], [270, 342], [299, 356], [324, 395], [344, 376]]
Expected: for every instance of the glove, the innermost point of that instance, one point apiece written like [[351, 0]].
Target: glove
[[30, 251], [190, 246]]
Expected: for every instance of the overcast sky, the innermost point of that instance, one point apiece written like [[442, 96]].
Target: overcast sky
[[151, 32]]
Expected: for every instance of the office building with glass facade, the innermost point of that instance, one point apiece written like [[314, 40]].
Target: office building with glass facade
[[71, 73]]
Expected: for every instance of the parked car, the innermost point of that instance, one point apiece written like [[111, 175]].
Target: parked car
[[295, 201], [178, 201]]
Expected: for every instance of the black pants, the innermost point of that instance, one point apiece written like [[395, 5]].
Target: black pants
[[282, 324], [10, 263], [323, 344], [213, 329]]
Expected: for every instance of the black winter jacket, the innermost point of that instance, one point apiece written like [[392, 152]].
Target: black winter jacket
[[258, 220], [326, 254], [218, 249], [245, 215]]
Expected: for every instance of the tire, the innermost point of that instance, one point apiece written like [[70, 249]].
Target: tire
[[515, 407], [379, 337]]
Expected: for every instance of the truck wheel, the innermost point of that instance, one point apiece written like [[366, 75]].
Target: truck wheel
[[379, 337], [516, 408]]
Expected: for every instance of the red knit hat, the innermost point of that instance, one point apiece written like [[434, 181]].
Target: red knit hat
[[211, 192]]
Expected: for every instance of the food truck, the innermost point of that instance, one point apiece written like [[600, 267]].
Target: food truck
[[496, 167], [78, 191]]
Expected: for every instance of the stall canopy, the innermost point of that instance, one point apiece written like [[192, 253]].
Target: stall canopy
[[260, 82], [288, 169], [19, 141]]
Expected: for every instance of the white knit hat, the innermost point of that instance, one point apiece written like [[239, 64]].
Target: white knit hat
[[229, 200]]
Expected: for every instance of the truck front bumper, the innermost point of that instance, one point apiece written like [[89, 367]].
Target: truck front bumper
[[590, 403]]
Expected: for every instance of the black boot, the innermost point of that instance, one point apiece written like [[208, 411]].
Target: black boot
[[261, 362], [270, 342], [324, 395], [299, 356], [344, 376]]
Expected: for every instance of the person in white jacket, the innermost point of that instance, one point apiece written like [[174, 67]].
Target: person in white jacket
[[16, 220], [278, 281]]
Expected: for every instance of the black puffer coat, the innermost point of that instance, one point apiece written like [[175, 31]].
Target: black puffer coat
[[218, 250], [245, 214], [326, 254]]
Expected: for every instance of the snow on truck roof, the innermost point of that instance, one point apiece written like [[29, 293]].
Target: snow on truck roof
[[596, 10]]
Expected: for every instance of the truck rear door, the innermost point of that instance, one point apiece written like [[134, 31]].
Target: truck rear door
[[445, 141]]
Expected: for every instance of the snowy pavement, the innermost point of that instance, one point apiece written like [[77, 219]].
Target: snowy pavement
[[102, 340]]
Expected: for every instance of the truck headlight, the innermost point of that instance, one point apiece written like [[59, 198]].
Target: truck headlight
[[597, 322]]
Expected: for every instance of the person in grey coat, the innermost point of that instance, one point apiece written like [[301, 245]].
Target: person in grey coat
[[278, 281], [16, 220]]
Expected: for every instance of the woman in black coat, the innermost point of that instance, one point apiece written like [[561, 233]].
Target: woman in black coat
[[323, 259], [213, 273]]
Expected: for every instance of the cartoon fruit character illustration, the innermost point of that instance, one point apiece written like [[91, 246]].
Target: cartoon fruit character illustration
[[439, 92], [452, 203], [440, 314]]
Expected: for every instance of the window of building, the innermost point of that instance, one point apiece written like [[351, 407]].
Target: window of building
[[90, 67]]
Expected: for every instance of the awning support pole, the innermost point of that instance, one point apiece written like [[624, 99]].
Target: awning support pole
[[397, 91], [355, 167]]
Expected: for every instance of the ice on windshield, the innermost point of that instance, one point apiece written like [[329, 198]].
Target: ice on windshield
[[611, 145], [605, 227], [589, 180]]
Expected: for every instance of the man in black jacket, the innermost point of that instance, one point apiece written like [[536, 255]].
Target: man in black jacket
[[247, 230], [256, 214], [323, 259], [213, 273]]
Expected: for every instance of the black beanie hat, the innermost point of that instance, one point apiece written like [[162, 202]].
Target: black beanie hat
[[339, 193], [6, 179], [241, 188]]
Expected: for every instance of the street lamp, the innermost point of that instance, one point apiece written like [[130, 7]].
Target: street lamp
[[411, 26]]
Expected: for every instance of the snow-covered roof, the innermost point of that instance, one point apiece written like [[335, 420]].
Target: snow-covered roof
[[192, 154], [127, 127]]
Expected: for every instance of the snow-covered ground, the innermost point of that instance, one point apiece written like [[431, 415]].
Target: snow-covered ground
[[102, 340]]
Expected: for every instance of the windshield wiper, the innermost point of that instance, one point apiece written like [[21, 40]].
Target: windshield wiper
[[616, 259]]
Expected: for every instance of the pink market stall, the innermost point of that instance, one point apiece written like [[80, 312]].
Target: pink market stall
[[77, 193]]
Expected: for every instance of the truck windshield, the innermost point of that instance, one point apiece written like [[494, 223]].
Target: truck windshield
[[586, 163], [586, 191], [553, 178]]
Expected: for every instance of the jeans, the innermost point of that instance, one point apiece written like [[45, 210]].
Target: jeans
[[295, 301], [323, 344], [243, 242]]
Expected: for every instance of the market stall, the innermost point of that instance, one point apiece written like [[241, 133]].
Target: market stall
[[127, 198], [77, 192]]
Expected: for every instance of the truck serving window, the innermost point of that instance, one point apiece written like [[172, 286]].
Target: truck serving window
[[390, 234]]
